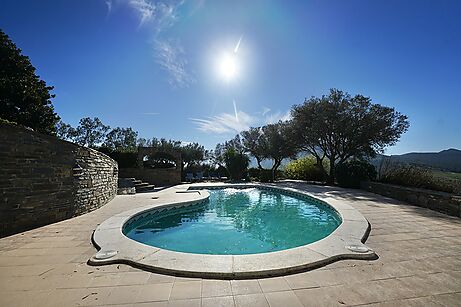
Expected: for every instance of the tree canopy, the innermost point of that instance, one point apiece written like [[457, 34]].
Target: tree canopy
[[339, 127], [90, 132], [121, 139], [24, 98], [278, 144]]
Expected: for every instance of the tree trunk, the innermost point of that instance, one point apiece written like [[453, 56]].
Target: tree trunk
[[259, 163], [274, 168], [320, 166], [331, 177]]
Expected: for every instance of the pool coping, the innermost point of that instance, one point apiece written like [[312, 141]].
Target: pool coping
[[346, 242]]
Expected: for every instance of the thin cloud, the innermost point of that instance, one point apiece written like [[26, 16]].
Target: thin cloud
[[158, 17], [109, 6], [144, 8], [225, 123], [265, 111], [276, 117], [169, 55], [151, 113]]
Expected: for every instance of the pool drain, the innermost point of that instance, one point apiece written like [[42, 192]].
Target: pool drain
[[358, 248], [105, 254]]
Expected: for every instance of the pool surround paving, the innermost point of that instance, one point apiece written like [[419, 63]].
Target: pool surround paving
[[345, 242]]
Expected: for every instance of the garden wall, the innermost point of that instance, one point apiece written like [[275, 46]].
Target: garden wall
[[155, 176], [45, 180], [439, 201]]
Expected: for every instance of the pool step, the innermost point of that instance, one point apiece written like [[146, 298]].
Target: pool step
[[137, 185]]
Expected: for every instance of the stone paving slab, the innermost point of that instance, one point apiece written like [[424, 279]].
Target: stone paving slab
[[419, 265]]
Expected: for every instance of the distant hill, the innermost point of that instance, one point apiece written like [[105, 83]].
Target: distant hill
[[447, 160]]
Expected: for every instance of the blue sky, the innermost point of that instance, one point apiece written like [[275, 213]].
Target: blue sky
[[155, 66]]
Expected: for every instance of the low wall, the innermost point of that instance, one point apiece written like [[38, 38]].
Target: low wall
[[438, 201], [45, 180], [155, 176]]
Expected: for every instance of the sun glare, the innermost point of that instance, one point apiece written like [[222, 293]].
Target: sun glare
[[227, 67]]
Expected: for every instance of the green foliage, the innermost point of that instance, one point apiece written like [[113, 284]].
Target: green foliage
[[417, 177], [254, 143], [263, 175], [121, 139], [125, 159], [350, 173], [24, 98], [306, 168], [279, 144], [90, 132], [236, 163], [340, 127]]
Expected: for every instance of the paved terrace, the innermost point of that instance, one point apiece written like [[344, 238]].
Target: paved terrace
[[419, 265]]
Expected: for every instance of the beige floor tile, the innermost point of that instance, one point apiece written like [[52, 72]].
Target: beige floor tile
[[212, 287], [253, 300], [283, 299], [274, 284], [186, 290], [154, 292], [194, 302], [221, 301], [245, 287]]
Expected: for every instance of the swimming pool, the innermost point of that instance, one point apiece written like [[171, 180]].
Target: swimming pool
[[237, 222]]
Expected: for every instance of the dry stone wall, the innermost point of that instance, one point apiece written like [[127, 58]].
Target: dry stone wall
[[44, 180], [438, 201]]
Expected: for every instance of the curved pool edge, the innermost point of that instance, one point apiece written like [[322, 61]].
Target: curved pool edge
[[346, 242]]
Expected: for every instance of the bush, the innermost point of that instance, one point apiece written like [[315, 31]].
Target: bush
[[263, 175], [305, 168], [351, 173], [416, 177], [236, 164], [125, 159]]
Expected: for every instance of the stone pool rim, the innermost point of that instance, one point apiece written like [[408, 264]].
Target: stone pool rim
[[345, 242]]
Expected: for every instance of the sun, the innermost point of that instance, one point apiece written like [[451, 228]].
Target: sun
[[227, 66]]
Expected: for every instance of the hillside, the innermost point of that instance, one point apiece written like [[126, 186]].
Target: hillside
[[447, 160]]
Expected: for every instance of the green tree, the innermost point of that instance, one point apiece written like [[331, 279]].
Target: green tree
[[279, 144], [90, 132], [65, 131], [340, 127], [236, 163], [253, 142], [192, 153], [121, 139], [24, 98]]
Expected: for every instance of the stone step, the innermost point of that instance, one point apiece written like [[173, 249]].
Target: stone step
[[140, 185], [148, 188]]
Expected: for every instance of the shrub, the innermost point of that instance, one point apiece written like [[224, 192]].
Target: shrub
[[265, 175], [125, 159], [236, 164], [416, 177], [351, 173], [305, 168]]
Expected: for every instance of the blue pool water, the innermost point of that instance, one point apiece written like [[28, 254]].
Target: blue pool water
[[237, 221]]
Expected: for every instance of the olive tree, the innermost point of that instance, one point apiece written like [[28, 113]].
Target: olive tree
[[338, 127], [121, 139], [253, 142], [278, 143]]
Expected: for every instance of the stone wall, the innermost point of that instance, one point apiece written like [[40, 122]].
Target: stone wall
[[439, 201], [155, 176], [44, 180]]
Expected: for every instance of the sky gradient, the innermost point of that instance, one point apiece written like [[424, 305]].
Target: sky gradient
[[153, 65]]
